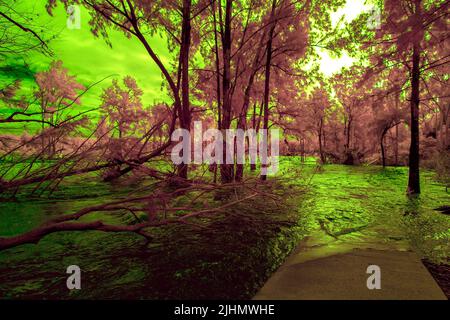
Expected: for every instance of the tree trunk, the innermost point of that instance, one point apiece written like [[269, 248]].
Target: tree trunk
[[226, 169], [185, 112], [216, 46], [241, 125], [349, 128], [396, 146], [243, 114], [267, 88], [443, 130], [383, 156], [302, 148], [322, 156], [348, 155], [414, 179], [253, 165]]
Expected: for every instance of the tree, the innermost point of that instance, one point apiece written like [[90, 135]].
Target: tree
[[410, 40], [20, 34], [123, 106], [267, 68], [57, 93], [126, 126], [386, 120], [141, 19]]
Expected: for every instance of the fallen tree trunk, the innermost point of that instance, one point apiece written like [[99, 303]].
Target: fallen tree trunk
[[70, 222]]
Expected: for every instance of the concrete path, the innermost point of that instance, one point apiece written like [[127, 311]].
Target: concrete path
[[356, 223], [338, 271]]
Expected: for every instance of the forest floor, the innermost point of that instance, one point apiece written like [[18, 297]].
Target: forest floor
[[343, 207]]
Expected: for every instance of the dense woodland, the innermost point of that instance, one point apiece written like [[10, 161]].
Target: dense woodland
[[233, 64]]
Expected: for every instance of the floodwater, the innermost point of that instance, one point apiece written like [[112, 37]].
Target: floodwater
[[345, 207], [362, 207]]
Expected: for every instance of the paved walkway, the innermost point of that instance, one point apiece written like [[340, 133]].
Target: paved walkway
[[335, 271]]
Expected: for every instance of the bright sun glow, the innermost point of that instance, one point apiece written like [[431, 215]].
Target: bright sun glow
[[350, 11]]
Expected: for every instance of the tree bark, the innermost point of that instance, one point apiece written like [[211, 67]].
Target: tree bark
[[322, 156], [243, 114], [216, 47], [414, 178], [396, 146], [253, 165], [267, 85], [226, 169], [302, 150], [383, 156], [185, 112]]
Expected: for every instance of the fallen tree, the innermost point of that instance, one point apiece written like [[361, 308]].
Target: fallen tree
[[157, 209]]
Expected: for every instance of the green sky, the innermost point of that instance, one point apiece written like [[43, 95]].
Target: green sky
[[90, 59]]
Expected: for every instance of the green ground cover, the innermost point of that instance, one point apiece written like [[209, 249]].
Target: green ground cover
[[239, 249]]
